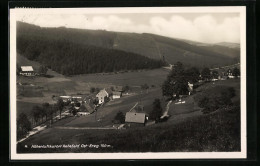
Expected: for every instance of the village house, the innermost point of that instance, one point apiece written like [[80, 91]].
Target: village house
[[230, 74], [102, 94], [134, 119], [117, 95], [190, 88], [65, 98], [85, 109], [27, 71]]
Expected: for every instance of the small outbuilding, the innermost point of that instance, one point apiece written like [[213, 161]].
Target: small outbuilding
[[117, 95]]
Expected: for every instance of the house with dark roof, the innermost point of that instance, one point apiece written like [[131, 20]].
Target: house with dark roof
[[134, 119], [85, 109]]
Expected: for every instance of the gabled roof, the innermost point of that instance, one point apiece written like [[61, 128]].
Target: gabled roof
[[85, 108], [104, 92], [135, 117], [27, 68]]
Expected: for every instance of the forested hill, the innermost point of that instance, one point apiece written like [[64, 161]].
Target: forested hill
[[69, 58], [149, 45]]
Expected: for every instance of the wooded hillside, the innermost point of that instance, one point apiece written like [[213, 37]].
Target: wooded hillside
[[69, 58], [152, 46]]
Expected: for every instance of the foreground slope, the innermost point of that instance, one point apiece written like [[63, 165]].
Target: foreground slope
[[184, 131]]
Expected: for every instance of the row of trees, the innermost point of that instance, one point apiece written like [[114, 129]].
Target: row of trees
[[38, 115], [69, 58], [41, 114]]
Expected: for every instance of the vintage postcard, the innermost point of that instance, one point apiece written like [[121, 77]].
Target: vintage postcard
[[128, 83]]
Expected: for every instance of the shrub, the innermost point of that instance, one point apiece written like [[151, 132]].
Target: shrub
[[144, 86], [92, 90], [119, 118], [97, 89], [112, 88], [126, 88], [157, 110]]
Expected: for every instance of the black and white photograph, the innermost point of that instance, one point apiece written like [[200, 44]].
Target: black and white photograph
[[128, 83]]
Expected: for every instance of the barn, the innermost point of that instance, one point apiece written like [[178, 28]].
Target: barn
[[134, 119]]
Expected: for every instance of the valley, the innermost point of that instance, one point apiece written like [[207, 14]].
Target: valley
[[124, 72]]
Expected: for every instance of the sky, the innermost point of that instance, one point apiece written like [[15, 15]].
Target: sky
[[201, 27]]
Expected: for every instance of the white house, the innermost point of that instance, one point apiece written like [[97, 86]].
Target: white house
[[190, 88], [117, 95], [230, 74], [102, 94], [27, 71]]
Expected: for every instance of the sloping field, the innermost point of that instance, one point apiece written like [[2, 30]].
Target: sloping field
[[218, 132], [135, 78], [184, 131]]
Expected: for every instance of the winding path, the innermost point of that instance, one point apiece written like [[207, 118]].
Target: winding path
[[86, 128], [165, 114]]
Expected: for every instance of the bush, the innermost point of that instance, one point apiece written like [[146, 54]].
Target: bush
[[119, 118], [112, 88], [97, 89], [92, 90], [126, 88], [156, 113], [144, 86]]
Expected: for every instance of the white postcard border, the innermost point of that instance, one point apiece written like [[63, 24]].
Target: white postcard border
[[162, 155]]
